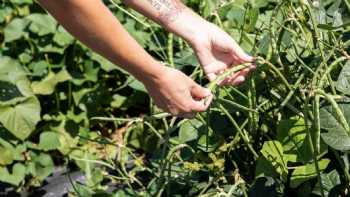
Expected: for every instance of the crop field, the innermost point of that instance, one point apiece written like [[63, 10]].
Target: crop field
[[284, 132]]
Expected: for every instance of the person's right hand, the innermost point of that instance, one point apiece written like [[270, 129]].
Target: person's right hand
[[178, 94]]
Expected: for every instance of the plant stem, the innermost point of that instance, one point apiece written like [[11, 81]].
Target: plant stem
[[212, 85], [317, 124], [275, 69], [240, 131], [338, 111], [309, 137], [171, 50], [253, 119]]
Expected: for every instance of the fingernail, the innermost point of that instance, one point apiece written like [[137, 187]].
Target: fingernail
[[240, 79], [253, 66], [208, 92]]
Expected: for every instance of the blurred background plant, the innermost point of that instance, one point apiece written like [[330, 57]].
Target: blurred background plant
[[276, 135]]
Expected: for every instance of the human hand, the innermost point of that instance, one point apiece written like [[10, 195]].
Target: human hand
[[217, 52], [178, 94]]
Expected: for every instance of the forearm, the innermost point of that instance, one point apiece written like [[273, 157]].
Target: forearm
[[171, 14], [94, 25]]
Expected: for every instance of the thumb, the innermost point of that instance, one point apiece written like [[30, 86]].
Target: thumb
[[207, 60], [202, 98], [198, 92], [239, 55]]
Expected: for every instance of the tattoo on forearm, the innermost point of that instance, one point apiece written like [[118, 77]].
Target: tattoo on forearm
[[169, 10]]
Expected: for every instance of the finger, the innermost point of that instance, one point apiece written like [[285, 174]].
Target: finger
[[245, 72], [203, 105], [187, 115], [211, 76], [225, 81], [214, 69], [207, 101], [240, 55], [237, 81], [236, 78], [198, 92], [209, 63], [200, 106], [205, 57]]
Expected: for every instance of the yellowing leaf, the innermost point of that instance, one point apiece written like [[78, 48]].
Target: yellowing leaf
[[21, 119], [47, 85], [17, 176]]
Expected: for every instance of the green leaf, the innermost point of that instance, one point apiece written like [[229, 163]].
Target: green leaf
[[41, 165], [21, 2], [118, 101], [48, 84], [49, 141], [25, 58], [265, 44], [141, 37], [329, 181], [293, 136], [337, 137], [208, 142], [17, 176], [22, 118], [264, 186], [8, 91], [307, 172], [264, 168], [136, 84], [62, 37], [343, 83], [15, 30], [189, 130], [66, 141], [142, 138], [105, 64], [4, 13], [42, 24], [6, 156], [11, 71], [259, 3], [273, 152], [7, 153]]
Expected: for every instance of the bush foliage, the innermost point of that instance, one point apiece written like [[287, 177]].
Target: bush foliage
[[284, 132]]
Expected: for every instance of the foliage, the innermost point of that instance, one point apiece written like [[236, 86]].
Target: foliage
[[63, 105]]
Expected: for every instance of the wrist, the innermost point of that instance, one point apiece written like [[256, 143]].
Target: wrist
[[187, 25], [153, 74]]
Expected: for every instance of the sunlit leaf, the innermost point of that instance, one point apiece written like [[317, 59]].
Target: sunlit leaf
[[22, 118], [47, 85], [336, 137], [307, 172], [343, 83], [14, 178], [15, 29], [42, 24]]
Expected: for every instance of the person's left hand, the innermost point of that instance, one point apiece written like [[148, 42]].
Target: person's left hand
[[217, 52]]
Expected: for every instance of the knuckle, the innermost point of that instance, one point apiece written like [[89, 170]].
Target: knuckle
[[172, 110], [187, 110]]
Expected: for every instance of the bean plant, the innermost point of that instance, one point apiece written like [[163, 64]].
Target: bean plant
[[284, 132]]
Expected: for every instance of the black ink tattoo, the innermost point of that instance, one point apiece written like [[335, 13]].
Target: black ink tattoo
[[169, 10]]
